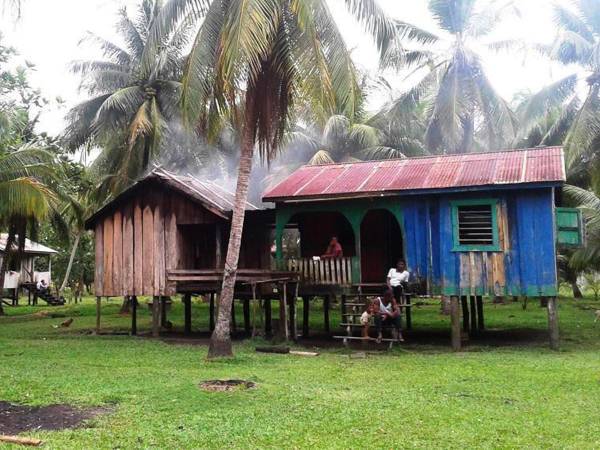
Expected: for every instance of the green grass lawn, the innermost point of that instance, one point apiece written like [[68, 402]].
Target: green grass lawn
[[419, 396]]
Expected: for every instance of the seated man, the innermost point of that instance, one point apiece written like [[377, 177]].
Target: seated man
[[41, 286], [334, 249], [397, 279], [387, 312]]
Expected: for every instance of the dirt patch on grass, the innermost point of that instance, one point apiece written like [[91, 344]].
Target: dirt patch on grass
[[226, 385], [15, 419]]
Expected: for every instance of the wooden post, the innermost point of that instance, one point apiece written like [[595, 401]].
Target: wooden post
[[155, 316], [233, 324], [268, 326], [163, 311], [326, 313], [305, 316], [553, 323], [211, 312], [218, 240], [480, 324], [455, 322], [283, 313], [247, 327], [292, 313], [465, 313], [187, 314], [133, 315], [473, 308], [98, 309]]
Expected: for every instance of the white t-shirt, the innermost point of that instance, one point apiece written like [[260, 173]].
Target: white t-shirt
[[397, 277]]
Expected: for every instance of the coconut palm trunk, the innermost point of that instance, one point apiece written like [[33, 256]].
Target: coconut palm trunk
[[220, 341], [10, 241], [70, 265]]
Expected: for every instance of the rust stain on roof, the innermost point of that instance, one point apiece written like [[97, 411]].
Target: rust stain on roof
[[534, 165]]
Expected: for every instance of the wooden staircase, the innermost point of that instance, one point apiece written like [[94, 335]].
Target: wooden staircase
[[353, 306], [45, 295]]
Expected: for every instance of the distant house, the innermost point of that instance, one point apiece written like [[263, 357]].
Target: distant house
[[26, 271]]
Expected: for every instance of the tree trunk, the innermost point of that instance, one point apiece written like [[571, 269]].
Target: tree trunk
[[7, 254], [220, 341], [126, 305], [70, 265], [576, 290]]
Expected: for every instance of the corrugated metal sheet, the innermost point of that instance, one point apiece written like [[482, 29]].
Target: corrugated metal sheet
[[30, 246], [536, 165]]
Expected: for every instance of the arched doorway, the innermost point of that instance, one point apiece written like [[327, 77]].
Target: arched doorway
[[317, 228], [381, 245]]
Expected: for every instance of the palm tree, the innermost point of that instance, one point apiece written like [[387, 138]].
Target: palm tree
[[131, 103], [26, 198], [589, 202], [577, 43], [463, 111], [249, 60]]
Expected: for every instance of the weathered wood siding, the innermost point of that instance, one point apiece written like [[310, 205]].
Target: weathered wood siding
[[159, 229], [138, 242]]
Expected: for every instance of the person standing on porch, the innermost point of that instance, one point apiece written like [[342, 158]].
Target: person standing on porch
[[334, 249], [397, 279]]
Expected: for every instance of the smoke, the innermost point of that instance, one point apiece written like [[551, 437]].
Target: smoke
[[184, 152]]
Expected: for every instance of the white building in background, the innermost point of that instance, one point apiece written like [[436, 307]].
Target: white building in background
[[27, 273]]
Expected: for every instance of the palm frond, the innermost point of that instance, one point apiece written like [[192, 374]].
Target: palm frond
[[321, 157]]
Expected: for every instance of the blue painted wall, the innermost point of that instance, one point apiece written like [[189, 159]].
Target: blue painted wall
[[526, 265]]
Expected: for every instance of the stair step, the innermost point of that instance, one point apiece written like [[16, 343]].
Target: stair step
[[360, 338]]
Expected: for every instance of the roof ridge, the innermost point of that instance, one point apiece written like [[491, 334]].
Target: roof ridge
[[411, 158]]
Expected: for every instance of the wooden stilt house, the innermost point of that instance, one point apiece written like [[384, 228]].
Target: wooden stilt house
[[484, 224]]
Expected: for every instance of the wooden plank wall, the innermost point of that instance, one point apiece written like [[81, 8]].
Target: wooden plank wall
[[139, 241]]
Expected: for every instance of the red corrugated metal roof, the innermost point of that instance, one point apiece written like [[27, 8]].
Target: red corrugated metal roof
[[534, 165]]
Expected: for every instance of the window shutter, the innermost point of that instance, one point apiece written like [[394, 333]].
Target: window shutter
[[569, 227], [475, 225]]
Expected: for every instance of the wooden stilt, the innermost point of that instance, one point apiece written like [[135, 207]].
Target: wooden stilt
[[155, 316], [283, 323], [553, 323], [455, 322], [187, 314], [305, 316], [163, 311], [473, 310], [98, 310], [233, 323], [408, 312], [247, 327], [480, 323], [268, 325], [134, 315], [292, 314], [326, 305], [211, 312], [465, 313]]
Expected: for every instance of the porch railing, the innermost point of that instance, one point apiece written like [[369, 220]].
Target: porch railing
[[327, 271]]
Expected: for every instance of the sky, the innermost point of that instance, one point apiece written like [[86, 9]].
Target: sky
[[49, 33]]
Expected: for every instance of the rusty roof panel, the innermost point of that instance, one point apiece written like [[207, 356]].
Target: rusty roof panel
[[319, 184], [509, 168], [351, 180], [439, 172]]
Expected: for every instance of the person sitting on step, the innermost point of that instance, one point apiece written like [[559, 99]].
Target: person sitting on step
[[42, 286], [387, 312], [397, 279], [365, 318]]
